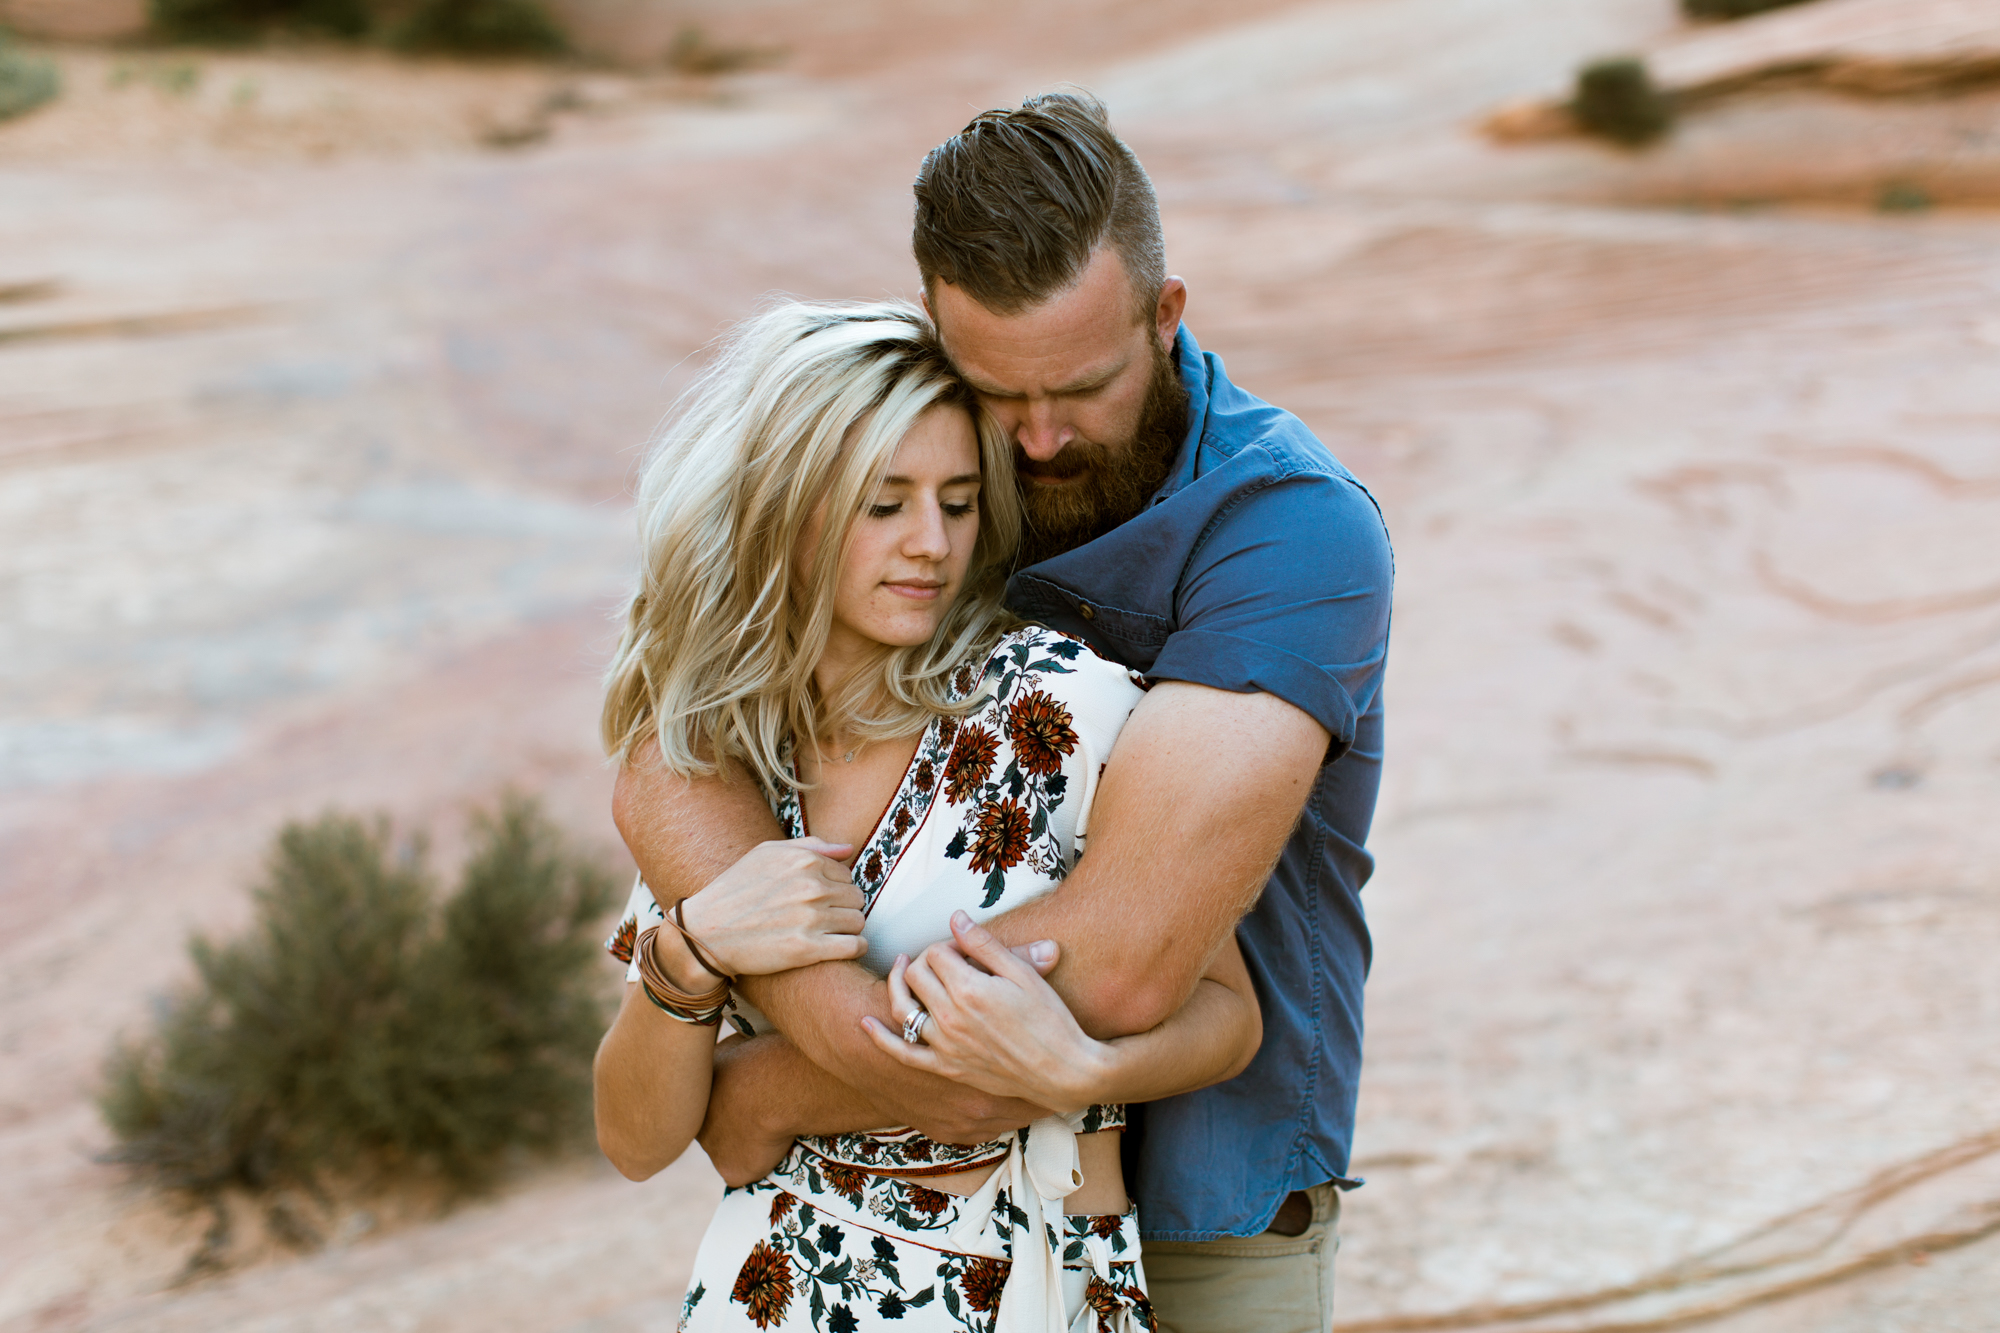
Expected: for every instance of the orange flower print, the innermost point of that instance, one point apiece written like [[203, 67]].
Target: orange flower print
[[873, 869], [781, 1207], [970, 762], [623, 939], [1000, 836], [1106, 1224], [1041, 732], [764, 1285], [926, 776], [901, 824], [844, 1179], [981, 1282], [1100, 1296], [928, 1201]]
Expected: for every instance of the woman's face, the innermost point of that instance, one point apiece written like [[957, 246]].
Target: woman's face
[[912, 543]]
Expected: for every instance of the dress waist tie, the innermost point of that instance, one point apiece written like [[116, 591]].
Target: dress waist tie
[[1041, 1170]]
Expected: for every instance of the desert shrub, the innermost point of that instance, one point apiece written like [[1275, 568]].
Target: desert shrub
[[1731, 9], [246, 20], [357, 1029], [25, 81], [1903, 197], [1616, 99], [481, 27], [470, 27]]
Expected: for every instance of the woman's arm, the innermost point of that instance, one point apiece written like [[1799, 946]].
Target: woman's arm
[[652, 1073], [1006, 1032]]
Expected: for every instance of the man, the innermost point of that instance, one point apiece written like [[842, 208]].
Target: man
[[1206, 539]]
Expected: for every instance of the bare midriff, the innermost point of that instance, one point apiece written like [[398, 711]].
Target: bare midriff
[[1102, 1191]]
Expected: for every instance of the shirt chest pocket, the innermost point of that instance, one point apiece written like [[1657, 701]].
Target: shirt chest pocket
[[1130, 638]]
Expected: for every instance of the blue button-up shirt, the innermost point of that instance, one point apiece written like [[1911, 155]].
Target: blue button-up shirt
[[1260, 565]]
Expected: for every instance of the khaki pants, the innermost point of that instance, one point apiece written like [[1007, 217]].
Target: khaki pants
[[1254, 1284]]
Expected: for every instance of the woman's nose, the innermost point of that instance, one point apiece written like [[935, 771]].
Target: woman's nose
[[927, 538]]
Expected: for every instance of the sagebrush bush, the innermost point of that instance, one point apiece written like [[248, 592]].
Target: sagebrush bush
[[481, 27], [470, 27], [1617, 100], [1731, 9], [25, 81], [357, 1029]]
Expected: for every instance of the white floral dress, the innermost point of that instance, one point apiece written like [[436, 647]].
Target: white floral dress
[[992, 812]]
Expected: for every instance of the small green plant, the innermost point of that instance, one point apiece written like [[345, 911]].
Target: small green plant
[[469, 27], [1731, 9], [1903, 197], [1616, 99], [360, 1031], [26, 81]]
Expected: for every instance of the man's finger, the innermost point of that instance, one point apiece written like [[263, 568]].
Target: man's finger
[[835, 851]]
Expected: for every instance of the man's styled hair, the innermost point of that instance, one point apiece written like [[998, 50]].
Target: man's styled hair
[[800, 414], [1013, 206]]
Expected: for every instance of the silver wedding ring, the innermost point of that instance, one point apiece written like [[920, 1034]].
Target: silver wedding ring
[[913, 1026]]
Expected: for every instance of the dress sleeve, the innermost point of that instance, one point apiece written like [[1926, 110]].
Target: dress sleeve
[[641, 911], [1089, 697]]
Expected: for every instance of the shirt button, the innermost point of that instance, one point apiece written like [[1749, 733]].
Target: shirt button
[[1085, 610]]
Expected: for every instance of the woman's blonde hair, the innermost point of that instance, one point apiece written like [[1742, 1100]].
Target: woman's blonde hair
[[804, 406]]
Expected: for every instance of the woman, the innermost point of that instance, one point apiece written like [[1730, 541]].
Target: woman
[[827, 532]]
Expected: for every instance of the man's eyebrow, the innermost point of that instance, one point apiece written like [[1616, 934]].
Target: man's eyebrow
[[962, 479], [1082, 384]]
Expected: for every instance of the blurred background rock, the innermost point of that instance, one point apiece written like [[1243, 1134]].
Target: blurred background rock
[[323, 370]]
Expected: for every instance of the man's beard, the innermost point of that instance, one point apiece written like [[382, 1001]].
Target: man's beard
[[1112, 483]]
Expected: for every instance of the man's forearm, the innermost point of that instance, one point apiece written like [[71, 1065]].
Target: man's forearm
[[1201, 794], [683, 832]]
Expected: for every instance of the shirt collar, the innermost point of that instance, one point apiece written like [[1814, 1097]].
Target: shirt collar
[[1195, 372]]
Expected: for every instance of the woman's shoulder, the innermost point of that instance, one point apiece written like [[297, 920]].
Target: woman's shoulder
[[1056, 660], [1035, 669]]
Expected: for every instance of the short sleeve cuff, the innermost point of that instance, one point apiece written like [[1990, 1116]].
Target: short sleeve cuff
[[1246, 666]]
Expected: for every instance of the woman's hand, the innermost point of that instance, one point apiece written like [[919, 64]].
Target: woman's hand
[[783, 905], [996, 1026]]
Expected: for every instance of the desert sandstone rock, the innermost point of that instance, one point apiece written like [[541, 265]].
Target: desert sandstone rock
[[313, 445]]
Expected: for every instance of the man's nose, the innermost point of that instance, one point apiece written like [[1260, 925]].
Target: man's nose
[[1042, 432]]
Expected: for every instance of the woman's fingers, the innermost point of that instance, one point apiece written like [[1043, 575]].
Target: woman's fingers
[[901, 1002], [980, 945], [915, 1055], [923, 983]]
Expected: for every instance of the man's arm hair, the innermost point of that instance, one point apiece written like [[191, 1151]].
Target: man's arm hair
[[683, 832]]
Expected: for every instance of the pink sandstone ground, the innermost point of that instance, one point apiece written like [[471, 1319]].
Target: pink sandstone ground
[[317, 409]]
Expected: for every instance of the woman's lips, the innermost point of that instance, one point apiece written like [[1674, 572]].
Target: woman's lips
[[921, 592]]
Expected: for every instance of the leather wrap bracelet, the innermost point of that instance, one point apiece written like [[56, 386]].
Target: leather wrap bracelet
[[701, 955], [703, 1010]]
